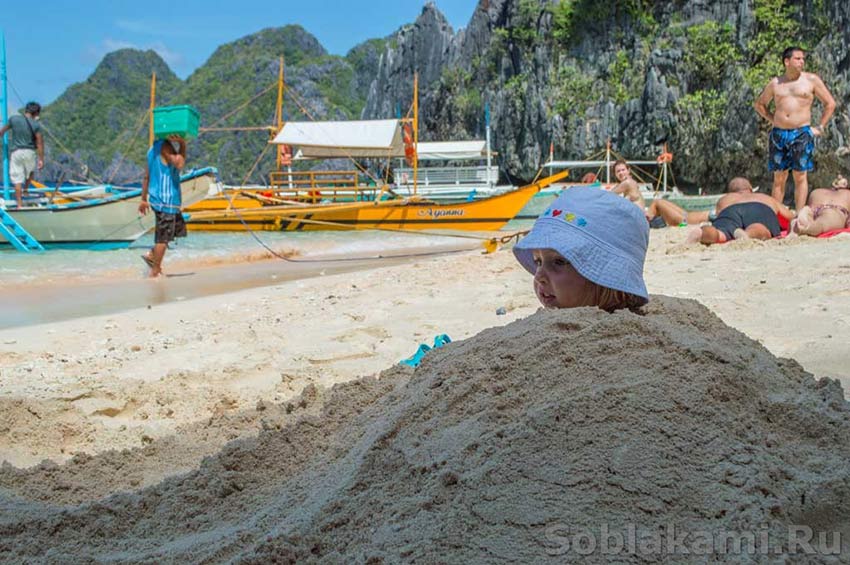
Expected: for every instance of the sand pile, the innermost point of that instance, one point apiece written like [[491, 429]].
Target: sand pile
[[497, 448]]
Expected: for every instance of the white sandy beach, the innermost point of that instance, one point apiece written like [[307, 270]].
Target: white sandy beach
[[120, 381], [670, 417]]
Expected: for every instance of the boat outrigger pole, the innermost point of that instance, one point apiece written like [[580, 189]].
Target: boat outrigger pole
[[279, 108], [153, 105], [415, 129], [5, 114]]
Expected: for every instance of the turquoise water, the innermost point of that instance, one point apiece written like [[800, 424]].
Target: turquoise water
[[203, 248]]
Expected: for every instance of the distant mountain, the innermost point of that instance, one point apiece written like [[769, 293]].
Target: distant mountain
[[101, 122], [94, 124], [573, 73]]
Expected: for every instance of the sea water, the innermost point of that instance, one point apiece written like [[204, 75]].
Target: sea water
[[57, 266]]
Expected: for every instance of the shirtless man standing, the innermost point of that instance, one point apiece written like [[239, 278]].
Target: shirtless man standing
[[828, 209], [791, 141]]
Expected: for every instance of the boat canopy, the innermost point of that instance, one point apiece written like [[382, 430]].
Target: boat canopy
[[451, 150], [362, 138]]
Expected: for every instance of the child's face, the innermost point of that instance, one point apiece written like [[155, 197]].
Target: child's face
[[557, 284], [622, 172]]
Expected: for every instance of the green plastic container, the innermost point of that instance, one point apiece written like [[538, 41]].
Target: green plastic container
[[175, 120]]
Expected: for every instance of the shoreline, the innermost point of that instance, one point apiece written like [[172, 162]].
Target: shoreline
[[28, 305], [124, 379]]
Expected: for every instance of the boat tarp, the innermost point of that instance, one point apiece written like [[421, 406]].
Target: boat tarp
[[362, 138], [449, 150]]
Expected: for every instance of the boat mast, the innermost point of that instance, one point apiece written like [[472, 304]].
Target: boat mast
[[5, 114], [279, 109], [608, 161], [281, 86], [153, 104], [415, 128], [487, 125]]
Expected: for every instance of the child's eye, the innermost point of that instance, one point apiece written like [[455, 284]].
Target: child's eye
[[537, 261], [561, 262]]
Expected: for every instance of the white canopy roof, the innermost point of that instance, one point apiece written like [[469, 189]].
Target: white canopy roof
[[434, 150], [363, 138]]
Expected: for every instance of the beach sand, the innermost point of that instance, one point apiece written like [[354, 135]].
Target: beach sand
[[173, 383]]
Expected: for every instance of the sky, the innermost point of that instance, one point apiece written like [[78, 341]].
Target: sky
[[52, 44]]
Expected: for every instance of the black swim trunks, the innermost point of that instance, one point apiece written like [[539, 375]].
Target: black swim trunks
[[745, 214], [657, 222], [791, 149], [168, 227]]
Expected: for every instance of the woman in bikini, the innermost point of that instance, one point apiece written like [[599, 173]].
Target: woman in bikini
[[828, 209]]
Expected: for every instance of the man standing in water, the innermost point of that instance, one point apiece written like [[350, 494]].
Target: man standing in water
[[26, 148], [791, 141]]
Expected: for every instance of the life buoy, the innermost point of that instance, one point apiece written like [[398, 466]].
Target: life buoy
[[285, 155], [409, 147]]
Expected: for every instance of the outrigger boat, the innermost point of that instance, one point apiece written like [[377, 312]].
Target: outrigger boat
[[94, 217], [99, 217], [487, 214], [336, 200]]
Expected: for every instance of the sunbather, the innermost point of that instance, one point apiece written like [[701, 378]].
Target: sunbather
[[662, 213], [587, 249], [828, 209], [742, 214]]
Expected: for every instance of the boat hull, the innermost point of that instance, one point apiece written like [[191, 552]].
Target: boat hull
[[112, 221], [486, 214]]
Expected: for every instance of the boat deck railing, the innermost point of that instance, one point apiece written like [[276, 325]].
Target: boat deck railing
[[316, 186], [447, 176]]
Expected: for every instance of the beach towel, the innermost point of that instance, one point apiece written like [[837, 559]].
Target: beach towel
[[832, 233]]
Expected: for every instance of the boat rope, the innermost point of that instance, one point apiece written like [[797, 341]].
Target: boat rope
[[89, 174], [238, 109], [490, 243], [133, 136], [291, 260], [256, 162]]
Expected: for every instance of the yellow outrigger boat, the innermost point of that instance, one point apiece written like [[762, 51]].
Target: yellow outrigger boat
[[487, 214], [337, 200]]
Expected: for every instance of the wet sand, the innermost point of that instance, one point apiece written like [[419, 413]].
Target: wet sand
[[40, 304]]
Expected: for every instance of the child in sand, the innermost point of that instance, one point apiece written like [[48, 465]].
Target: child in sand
[[587, 249]]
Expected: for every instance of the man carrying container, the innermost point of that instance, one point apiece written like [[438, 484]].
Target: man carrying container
[[161, 191], [172, 125]]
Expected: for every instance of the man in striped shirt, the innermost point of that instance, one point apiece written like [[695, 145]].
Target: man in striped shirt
[[161, 191]]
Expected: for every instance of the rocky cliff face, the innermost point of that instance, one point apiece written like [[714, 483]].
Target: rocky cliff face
[[575, 73]]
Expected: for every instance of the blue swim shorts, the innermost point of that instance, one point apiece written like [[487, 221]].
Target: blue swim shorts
[[791, 149]]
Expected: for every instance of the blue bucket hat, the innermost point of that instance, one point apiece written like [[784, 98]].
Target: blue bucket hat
[[603, 236]]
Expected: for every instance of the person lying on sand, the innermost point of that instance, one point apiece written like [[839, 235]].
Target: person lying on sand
[[742, 214], [827, 209], [662, 213], [587, 249]]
